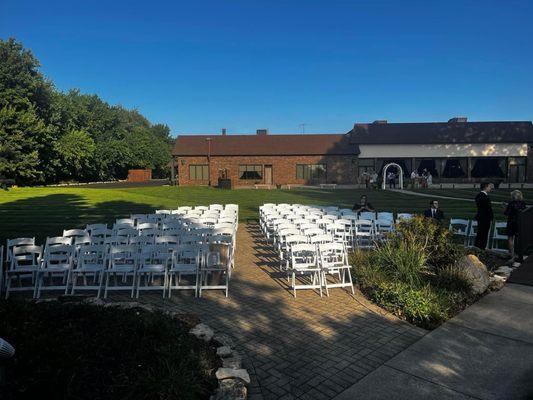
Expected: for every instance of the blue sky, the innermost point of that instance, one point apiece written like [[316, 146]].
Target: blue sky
[[204, 65]]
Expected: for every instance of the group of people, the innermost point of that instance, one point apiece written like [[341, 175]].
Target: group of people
[[484, 215], [371, 179], [424, 180]]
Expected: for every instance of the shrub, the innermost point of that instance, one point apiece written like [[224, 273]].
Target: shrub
[[453, 279], [437, 241]]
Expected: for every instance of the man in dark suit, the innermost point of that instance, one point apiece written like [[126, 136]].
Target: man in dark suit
[[484, 215], [434, 211]]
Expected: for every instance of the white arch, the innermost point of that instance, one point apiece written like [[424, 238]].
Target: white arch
[[384, 183]]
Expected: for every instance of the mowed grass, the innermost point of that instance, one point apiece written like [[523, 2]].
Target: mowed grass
[[499, 195], [42, 212]]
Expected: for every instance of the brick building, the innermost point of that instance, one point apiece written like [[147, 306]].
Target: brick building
[[453, 151]]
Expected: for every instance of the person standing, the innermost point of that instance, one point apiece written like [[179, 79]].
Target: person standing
[[434, 211], [512, 209], [414, 179], [484, 215], [391, 177]]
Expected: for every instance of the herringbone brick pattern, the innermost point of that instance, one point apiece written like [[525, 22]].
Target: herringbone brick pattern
[[304, 348]]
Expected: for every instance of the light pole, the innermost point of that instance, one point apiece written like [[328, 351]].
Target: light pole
[[208, 140]]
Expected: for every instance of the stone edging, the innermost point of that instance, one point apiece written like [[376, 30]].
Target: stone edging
[[233, 380]]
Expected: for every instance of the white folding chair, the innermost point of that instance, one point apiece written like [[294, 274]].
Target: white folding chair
[[385, 215], [304, 264], [24, 263], [498, 235], [90, 262], [185, 262], [472, 233], [284, 251], [121, 260], [91, 227], [57, 263], [153, 262], [459, 227], [334, 264], [215, 265], [382, 227], [364, 233], [368, 215]]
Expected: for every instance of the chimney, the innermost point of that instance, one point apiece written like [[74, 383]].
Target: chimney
[[223, 131], [262, 132], [380, 122], [455, 120]]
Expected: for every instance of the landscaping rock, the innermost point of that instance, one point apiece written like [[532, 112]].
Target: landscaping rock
[[224, 351], [504, 271], [231, 389], [476, 273], [228, 373], [94, 301], [497, 282], [224, 340], [202, 331], [130, 304], [233, 362]]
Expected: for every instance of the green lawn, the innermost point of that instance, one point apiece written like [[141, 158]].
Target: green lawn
[[496, 195], [45, 212]]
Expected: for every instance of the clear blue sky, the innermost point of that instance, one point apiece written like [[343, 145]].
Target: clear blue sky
[[200, 65]]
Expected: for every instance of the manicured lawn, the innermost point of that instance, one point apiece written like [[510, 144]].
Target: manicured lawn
[[496, 195], [45, 212]]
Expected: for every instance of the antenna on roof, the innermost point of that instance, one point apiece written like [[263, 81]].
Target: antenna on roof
[[302, 127]]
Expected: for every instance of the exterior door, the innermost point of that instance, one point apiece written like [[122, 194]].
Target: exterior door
[[268, 174]]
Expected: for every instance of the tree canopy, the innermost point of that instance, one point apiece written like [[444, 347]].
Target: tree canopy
[[48, 136]]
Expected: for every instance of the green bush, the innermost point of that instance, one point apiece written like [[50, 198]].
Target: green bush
[[412, 274]]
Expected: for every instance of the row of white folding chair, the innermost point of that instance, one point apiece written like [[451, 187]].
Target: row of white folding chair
[[467, 229], [29, 262], [317, 263]]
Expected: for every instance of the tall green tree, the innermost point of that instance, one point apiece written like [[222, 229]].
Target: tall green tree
[[47, 135]]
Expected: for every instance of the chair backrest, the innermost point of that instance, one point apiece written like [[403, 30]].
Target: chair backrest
[[384, 225], [385, 215], [167, 239], [74, 233], [59, 256], [116, 240], [223, 230], [25, 256], [122, 255], [332, 254], [368, 215], [127, 232], [83, 240], [162, 212], [295, 239], [141, 241], [91, 227], [303, 255], [499, 231], [220, 239], [91, 255], [146, 225], [57, 241], [404, 216], [363, 226], [150, 232], [103, 232], [472, 231], [313, 232], [125, 221], [18, 242], [459, 226], [321, 239]]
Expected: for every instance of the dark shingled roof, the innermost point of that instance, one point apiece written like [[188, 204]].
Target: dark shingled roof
[[265, 145], [443, 132]]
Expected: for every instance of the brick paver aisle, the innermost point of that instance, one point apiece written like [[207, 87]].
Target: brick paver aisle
[[305, 348]]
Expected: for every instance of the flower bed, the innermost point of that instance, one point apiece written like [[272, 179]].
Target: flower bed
[[414, 274]]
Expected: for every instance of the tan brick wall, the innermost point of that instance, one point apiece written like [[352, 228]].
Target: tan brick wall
[[340, 169]]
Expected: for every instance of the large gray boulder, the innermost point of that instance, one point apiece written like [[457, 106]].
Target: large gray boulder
[[231, 389], [476, 273]]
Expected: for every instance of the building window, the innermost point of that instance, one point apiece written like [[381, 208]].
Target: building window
[[198, 172], [311, 172], [454, 168], [489, 168], [252, 172]]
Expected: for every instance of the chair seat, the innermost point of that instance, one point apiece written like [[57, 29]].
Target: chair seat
[[151, 268]]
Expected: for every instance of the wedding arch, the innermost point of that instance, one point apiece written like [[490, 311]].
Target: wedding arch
[[384, 183]]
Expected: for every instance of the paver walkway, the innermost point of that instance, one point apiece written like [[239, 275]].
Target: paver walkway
[[306, 348]]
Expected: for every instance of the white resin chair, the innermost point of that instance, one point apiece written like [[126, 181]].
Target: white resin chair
[[459, 227], [498, 235], [304, 265], [122, 261], [57, 264], [153, 262], [334, 264], [24, 263], [90, 263]]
